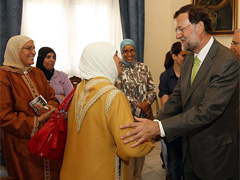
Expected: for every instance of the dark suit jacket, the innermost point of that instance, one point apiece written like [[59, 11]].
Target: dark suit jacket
[[206, 113]]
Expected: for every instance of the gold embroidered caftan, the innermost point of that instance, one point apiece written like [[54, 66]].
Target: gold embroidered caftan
[[90, 154]]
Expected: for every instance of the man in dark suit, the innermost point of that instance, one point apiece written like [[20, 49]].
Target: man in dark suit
[[235, 44], [204, 109]]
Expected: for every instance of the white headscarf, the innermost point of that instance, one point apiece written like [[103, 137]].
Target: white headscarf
[[97, 61], [13, 48]]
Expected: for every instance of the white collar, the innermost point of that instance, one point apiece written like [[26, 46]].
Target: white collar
[[203, 53]]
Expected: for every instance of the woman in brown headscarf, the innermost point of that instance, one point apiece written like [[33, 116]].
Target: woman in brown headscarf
[[20, 83]]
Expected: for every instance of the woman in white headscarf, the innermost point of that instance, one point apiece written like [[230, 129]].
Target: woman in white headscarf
[[94, 149], [20, 83]]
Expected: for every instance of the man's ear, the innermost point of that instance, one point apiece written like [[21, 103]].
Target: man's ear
[[200, 27]]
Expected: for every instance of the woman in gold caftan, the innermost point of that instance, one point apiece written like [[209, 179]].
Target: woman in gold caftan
[[20, 83], [94, 149]]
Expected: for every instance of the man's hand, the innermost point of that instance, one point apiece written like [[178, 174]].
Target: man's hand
[[142, 130]]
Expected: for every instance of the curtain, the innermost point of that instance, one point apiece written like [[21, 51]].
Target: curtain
[[10, 20], [133, 18], [68, 26]]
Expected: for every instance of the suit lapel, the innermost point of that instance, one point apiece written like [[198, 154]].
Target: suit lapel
[[186, 76], [201, 72]]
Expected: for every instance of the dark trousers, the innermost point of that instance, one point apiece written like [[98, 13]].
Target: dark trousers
[[188, 167], [174, 158]]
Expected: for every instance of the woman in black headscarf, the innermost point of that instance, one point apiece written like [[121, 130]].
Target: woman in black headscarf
[[58, 80]]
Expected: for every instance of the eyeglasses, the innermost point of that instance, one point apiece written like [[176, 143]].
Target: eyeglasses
[[132, 51], [29, 48], [234, 43], [181, 29]]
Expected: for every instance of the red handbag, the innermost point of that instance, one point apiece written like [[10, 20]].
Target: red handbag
[[49, 142]]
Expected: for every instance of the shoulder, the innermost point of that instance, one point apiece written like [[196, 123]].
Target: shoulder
[[221, 51], [60, 73], [38, 75], [37, 71], [119, 96], [34, 69], [142, 67], [2, 71], [140, 64], [163, 75], [113, 91], [4, 75], [222, 58], [169, 72], [115, 96], [112, 94]]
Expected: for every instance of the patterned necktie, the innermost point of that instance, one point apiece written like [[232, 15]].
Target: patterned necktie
[[196, 64]]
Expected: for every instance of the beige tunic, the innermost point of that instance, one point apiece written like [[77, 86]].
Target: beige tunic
[[19, 123], [90, 154]]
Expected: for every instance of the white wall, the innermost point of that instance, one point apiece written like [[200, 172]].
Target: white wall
[[160, 35]]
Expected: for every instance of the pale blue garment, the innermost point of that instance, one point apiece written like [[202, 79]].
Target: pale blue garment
[[164, 153], [4, 173]]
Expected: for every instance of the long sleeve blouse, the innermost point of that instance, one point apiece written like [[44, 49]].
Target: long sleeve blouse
[[137, 84], [61, 84]]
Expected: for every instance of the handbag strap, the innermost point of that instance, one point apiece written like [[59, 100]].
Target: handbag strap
[[157, 104], [66, 101]]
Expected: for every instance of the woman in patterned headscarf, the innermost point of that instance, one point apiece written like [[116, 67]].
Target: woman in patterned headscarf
[[137, 83], [20, 83], [94, 149]]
